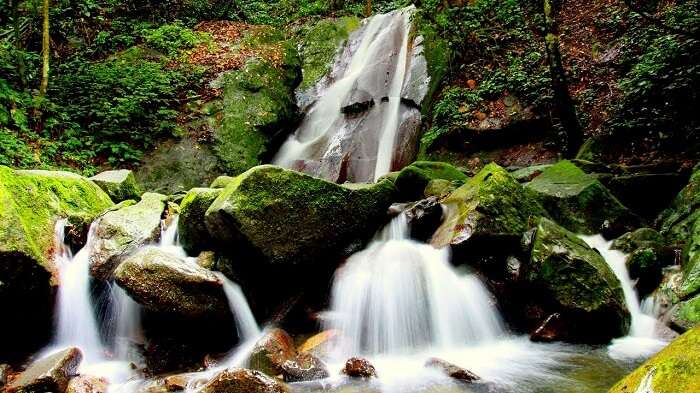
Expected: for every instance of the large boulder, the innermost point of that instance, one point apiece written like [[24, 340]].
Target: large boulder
[[287, 217], [121, 232], [641, 237], [673, 370], [575, 281], [49, 374], [580, 202], [164, 283], [491, 205], [192, 228], [120, 185], [240, 380], [30, 204], [413, 179]]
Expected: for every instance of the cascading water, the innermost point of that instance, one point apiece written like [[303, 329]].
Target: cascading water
[[330, 143], [642, 340], [400, 296]]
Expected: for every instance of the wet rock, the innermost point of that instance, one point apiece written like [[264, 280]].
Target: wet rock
[[645, 264], [304, 367], [359, 368], [526, 174], [676, 222], [417, 84], [221, 182], [5, 370], [686, 315], [271, 352], [120, 185], [87, 384], [578, 284], [321, 343], [413, 179], [452, 370], [50, 374], [177, 382], [30, 204], [630, 241], [579, 202], [491, 205], [121, 232], [424, 218], [550, 330], [673, 370], [239, 380], [357, 102], [162, 282], [192, 228]]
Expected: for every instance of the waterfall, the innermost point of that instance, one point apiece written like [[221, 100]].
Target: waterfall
[[340, 146], [642, 340], [127, 321], [76, 324], [399, 296]]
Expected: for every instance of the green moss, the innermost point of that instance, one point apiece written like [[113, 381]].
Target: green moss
[[673, 370], [577, 200], [192, 228], [221, 182], [691, 263], [413, 179], [633, 240], [677, 220], [492, 203], [687, 313], [289, 217], [320, 42]]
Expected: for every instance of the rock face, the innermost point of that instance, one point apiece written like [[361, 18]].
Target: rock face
[[121, 232], [492, 204], [290, 218], [120, 185], [50, 374], [30, 204], [164, 283], [359, 368], [576, 282], [673, 370], [240, 380], [452, 370], [191, 226], [413, 179], [677, 220], [578, 201], [691, 263]]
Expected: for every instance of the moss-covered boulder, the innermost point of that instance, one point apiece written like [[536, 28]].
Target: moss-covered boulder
[[120, 185], [240, 380], [641, 237], [673, 370], [492, 204], [192, 228], [287, 217], [413, 179], [30, 204], [528, 173], [686, 314], [576, 282], [677, 220], [164, 283], [645, 264], [691, 263], [578, 201], [258, 109], [122, 232]]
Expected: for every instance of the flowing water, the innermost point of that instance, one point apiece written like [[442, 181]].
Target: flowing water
[[642, 340], [371, 71]]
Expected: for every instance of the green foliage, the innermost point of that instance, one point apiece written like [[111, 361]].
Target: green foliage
[[172, 38]]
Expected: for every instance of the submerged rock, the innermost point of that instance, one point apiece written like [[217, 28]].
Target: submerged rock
[[120, 185], [492, 204], [50, 374], [452, 370], [359, 368], [192, 228], [579, 202], [121, 232], [673, 370], [240, 380], [576, 282], [164, 283], [30, 204], [413, 179], [291, 218]]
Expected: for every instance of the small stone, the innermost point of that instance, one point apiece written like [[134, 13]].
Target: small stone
[[452, 370], [305, 367], [359, 368]]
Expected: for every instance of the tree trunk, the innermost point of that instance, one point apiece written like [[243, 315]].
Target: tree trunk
[[368, 8], [21, 66], [564, 105], [45, 51], [336, 5]]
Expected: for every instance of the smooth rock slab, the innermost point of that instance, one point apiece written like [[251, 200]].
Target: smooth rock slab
[[240, 380], [50, 374], [164, 283]]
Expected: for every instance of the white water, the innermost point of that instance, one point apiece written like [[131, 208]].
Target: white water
[[401, 296], [319, 135], [642, 340]]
